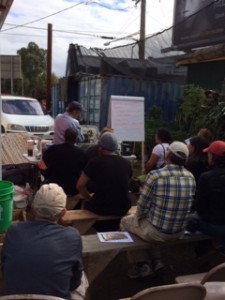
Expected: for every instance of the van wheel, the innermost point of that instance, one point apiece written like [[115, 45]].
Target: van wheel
[[2, 129]]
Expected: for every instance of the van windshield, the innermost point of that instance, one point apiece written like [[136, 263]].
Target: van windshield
[[21, 107]]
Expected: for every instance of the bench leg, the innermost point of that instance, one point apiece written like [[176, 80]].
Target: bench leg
[[83, 225], [96, 263]]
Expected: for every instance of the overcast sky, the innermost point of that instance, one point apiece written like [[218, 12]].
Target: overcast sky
[[78, 22]]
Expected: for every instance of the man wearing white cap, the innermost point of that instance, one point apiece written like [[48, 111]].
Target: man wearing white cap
[[162, 209], [41, 256]]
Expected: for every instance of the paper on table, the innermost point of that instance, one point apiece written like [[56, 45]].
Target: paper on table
[[115, 237]]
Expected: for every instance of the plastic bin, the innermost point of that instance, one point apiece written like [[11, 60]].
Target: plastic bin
[[6, 204]]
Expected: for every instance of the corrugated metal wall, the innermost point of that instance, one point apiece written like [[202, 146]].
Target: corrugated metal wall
[[161, 94], [94, 94]]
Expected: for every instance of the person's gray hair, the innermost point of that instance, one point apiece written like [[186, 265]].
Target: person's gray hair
[[47, 214]]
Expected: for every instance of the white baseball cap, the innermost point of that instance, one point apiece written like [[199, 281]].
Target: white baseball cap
[[50, 196], [179, 149]]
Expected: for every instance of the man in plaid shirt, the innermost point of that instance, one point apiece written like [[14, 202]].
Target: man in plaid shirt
[[162, 209]]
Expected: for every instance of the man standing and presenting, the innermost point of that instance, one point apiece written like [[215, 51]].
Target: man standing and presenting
[[40, 256], [162, 209], [69, 119]]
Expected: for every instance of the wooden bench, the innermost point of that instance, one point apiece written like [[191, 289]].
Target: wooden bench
[[83, 219], [97, 255]]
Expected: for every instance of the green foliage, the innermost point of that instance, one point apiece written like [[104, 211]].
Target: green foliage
[[214, 119], [192, 108], [9, 87], [195, 112], [153, 122], [34, 69]]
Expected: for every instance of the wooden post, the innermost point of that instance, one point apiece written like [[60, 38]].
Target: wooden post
[[49, 68], [142, 31]]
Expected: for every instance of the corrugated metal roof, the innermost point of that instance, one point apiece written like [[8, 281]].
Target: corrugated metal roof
[[4, 9]]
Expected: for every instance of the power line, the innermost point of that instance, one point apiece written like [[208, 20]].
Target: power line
[[87, 33], [40, 19], [60, 11], [64, 31]]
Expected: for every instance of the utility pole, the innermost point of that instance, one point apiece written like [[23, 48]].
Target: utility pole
[[142, 28], [142, 56], [49, 68]]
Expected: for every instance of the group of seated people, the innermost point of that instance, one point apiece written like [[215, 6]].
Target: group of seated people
[[179, 178], [97, 175], [191, 181]]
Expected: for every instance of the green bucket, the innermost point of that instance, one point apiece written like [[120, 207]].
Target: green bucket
[[6, 204]]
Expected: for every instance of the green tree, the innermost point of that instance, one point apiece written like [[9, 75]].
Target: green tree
[[154, 121], [191, 111], [196, 112], [34, 69]]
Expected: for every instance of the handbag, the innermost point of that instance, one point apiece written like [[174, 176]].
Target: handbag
[[22, 173], [164, 163]]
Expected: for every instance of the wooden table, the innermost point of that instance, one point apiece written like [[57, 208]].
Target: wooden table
[[215, 290], [31, 159]]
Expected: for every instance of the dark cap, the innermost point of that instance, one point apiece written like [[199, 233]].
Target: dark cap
[[108, 141], [75, 106]]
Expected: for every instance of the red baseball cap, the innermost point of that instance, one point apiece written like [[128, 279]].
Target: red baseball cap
[[217, 148]]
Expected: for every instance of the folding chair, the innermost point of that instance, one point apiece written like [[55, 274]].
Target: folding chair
[[183, 291], [30, 297], [215, 274]]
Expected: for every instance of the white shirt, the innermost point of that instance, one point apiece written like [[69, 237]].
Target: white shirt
[[160, 150]]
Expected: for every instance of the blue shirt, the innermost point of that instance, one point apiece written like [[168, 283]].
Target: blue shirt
[[40, 257], [63, 122], [166, 198]]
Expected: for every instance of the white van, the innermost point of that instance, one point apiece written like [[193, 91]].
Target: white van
[[22, 114]]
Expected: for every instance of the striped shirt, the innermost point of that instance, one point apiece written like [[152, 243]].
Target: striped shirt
[[166, 198]]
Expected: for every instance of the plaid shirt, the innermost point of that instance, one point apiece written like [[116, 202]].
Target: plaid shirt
[[166, 198]]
